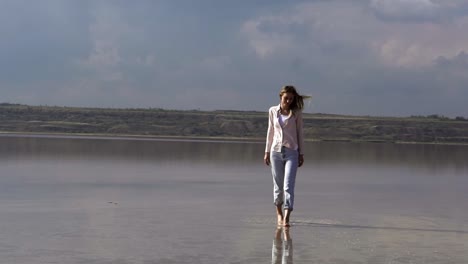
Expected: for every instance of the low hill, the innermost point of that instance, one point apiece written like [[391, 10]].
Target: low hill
[[15, 118]]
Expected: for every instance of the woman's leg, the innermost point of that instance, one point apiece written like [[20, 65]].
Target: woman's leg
[[277, 170], [291, 165]]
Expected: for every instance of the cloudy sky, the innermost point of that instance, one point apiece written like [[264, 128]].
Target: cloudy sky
[[360, 57]]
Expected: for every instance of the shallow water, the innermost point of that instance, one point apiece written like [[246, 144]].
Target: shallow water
[[83, 200]]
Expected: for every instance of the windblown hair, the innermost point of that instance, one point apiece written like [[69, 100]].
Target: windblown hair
[[298, 103]]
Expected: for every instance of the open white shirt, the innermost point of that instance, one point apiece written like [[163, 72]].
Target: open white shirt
[[289, 134]]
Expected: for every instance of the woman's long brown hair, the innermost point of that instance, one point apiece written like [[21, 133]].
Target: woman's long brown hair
[[298, 103]]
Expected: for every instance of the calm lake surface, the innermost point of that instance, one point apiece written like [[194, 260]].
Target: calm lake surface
[[85, 200]]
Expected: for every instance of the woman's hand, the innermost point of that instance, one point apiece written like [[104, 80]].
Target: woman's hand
[[301, 159], [266, 158]]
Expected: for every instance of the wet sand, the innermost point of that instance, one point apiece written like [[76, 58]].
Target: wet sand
[[91, 201], [122, 233]]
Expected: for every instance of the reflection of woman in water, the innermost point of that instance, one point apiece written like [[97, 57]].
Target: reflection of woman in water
[[284, 149], [282, 249]]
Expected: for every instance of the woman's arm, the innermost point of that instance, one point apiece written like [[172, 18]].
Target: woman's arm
[[300, 136], [269, 138]]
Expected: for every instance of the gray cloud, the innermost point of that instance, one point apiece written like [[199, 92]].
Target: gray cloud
[[37, 40], [419, 11], [406, 10], [353, 57]]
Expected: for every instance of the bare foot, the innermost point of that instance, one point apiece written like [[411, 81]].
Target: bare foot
[[279, 215], [287, 213], [279, 220]]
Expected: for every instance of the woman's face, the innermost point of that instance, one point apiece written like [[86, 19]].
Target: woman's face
[[286, 100]]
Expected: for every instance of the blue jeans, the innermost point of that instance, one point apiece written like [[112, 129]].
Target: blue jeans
[[283, 168]]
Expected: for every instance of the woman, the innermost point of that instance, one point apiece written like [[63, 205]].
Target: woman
[[284, 149]]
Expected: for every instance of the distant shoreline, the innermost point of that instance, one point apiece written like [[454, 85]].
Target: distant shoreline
[[129, 137], [191, 139], [223, 125]]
